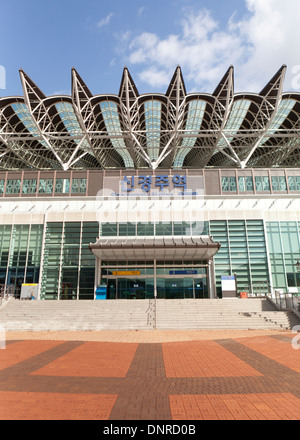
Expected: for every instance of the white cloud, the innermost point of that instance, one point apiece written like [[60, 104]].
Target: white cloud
[[257, 45], [105, 21], [155, 77], [141, 10], [62, 92]]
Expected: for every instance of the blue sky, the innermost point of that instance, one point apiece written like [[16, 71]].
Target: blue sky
[[99, 38]]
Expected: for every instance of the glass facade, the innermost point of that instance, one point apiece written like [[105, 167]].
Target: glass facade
[[243, 252], [43, 186], [69, 266], [58, 257], [284, 252], [137, 280], [20, 254], [245, 184], [154, 229]]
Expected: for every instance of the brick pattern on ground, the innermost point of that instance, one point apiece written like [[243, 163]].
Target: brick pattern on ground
[[248, 377]]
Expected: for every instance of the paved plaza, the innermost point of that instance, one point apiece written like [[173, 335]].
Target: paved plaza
[[150, 375]]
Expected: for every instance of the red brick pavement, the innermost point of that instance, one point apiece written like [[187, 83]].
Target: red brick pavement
[[248, 378]]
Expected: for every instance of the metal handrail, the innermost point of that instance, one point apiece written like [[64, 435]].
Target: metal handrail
[[7, 291], [281, 299], [262, 288], [286, 300]]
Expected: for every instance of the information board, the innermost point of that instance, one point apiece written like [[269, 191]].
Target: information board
[[29, 291], [228, 285]]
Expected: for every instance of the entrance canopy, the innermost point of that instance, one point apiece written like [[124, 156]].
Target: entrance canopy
[[154, 247]]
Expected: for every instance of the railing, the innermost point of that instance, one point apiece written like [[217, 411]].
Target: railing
[[260, 289], [7, 291], [286, 300], [281, 299]]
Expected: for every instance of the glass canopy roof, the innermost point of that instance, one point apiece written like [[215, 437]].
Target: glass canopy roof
[[175, 130]]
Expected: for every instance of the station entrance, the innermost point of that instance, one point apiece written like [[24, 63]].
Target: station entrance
[[175, 267], [168, 287]]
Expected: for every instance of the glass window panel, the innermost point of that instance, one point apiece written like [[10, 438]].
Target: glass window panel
[[258, 183], [282, 183], [278, 183], [225, 184], [2, 181], [78, 186], [245, 183], [152, 117], [62, 186], [86, 282], [72, 233], [242, 184], [232, 183], [262, 183], [13, 186], [126, 229], [291, 280], [108, 229], [265, 183], [182, 228], [111, 116], [45, 186], [145, 229], [29, 186], [229, 184], [163, 229], [292, 183], [249, 183]]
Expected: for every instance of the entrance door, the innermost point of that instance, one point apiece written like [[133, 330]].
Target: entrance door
[[111, 289], [188, 288], [131, 288], [137, 289], [200, 287], [173, 288]]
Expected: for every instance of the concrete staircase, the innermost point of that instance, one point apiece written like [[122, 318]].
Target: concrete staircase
[[77, 315], [252, 313]]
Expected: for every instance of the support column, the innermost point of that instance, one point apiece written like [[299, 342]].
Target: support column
[[211, 276], [155, 283], [97, 275]]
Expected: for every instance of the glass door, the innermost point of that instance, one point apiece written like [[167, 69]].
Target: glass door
[[111, 289], [173, 288], [188, 287], [200, 287]]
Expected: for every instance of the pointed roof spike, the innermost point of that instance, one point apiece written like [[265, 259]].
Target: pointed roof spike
[[221, 90], [177, 74], [278, 78], [132, 87], [29, 84], [83, 86]]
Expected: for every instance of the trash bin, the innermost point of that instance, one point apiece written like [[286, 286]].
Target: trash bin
[[243, 295]]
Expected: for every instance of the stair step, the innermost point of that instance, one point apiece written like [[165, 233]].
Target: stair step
[[194, 314]]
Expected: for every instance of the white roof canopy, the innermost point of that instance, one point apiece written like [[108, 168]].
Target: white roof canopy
[[155, 247]]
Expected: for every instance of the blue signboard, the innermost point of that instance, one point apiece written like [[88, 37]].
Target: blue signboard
[[146, 183], [183, 272]]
